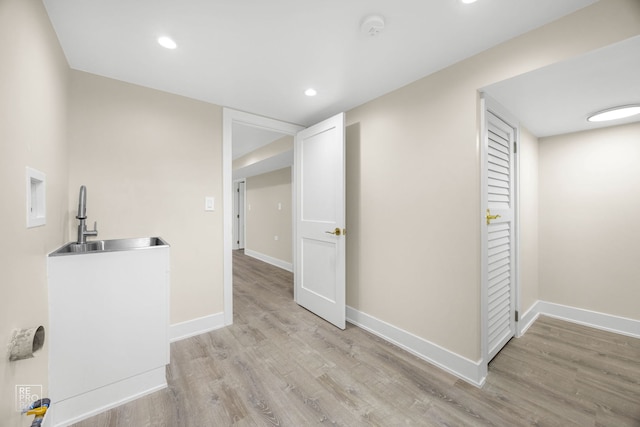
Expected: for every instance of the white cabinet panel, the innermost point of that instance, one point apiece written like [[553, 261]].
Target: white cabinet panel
[[109, 319]]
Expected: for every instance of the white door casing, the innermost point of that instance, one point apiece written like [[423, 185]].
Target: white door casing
[[229, 118], [498, 228], [320, 247]]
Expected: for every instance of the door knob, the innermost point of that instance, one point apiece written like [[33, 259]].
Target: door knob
[[335, 232], [491, 217]]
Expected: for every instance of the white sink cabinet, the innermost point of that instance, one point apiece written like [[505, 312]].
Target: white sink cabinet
[[108, 328]]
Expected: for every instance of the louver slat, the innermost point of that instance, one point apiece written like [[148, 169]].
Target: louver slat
[[498, 171]]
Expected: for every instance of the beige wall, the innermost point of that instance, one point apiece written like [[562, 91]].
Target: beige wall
[[590, 220], [264, 219], [413, 198], [33, 111], [148, 160], [528, 215]]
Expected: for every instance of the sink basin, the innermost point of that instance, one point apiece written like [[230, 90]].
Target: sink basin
[[95, 246]]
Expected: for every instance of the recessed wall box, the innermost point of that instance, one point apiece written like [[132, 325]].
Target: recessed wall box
[[36, 198]]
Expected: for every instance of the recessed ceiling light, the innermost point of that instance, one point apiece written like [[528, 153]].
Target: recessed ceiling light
[[615, 113], [310, 92], [167, 42], [468, 1]]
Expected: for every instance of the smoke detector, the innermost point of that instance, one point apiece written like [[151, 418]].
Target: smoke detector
[[372, 25]]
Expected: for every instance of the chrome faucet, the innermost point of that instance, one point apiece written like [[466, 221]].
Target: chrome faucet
[[82, 216]]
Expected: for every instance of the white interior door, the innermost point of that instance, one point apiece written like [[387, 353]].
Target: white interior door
[[499, 232], [320, 220]]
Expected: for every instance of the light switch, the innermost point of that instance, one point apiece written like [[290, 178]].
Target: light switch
[[209, 204], [279, 206]]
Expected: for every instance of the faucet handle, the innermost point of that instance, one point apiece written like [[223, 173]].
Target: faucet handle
[[93, 232]]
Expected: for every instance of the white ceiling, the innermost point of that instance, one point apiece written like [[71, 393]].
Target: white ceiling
[[259, 56], [558, 99], [247, 139]]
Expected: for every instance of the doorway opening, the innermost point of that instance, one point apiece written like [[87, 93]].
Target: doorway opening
[[239, 130]]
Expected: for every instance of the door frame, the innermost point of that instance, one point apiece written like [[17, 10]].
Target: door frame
[[486, 103], [229, 117]]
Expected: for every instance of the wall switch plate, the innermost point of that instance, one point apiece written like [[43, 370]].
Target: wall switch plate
[[209, 204]]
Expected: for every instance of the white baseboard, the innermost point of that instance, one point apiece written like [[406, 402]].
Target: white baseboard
[[190, 328], [269, 260], [474, 372], [527, 319], [594, 319], [69, 411], [453, 363]]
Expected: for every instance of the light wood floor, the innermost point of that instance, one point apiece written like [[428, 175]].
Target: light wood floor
[[279, 365]]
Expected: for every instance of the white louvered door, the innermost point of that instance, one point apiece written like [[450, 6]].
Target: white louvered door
[[499, 233]]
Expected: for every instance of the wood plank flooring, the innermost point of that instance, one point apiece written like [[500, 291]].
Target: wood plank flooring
[[279, 365]]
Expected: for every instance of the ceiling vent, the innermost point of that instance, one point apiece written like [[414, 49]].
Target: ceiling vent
[[372, 25]]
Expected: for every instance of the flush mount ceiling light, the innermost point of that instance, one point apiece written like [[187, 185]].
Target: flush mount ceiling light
[[468, 1], [615, 113], [167, 42], [310, 92]]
